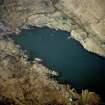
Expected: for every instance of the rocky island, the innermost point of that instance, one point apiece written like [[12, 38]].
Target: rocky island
[[28, 83]]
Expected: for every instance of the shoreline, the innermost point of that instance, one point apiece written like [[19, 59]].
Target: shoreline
[[42, 63], [39, 70]]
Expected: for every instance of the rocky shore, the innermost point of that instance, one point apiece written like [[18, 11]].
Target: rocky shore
[[28, 83], [84, 19]]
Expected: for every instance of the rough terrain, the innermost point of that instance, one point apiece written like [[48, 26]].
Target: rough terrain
[[29, 83]]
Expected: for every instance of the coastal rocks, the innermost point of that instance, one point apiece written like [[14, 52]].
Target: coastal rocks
[[90, 16], [58, 21], [69, 15], [89, 42], [54, 73], [87, 13]]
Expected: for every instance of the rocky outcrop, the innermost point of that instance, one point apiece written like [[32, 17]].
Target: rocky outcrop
[[90, 16], [14, 13], [84, 19]]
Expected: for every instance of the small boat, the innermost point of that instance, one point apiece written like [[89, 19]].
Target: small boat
[[38, 59]]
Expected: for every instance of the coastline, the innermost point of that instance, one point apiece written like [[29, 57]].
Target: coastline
[[33, 72]]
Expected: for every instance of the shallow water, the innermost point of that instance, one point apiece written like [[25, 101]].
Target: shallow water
[[81, 68]]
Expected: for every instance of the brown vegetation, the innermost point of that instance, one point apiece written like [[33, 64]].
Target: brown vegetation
[[25, 83]]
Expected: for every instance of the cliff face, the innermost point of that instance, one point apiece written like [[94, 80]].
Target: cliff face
[[85, 19], [90, 15]]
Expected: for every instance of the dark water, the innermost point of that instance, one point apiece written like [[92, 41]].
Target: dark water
[[81, 68]]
